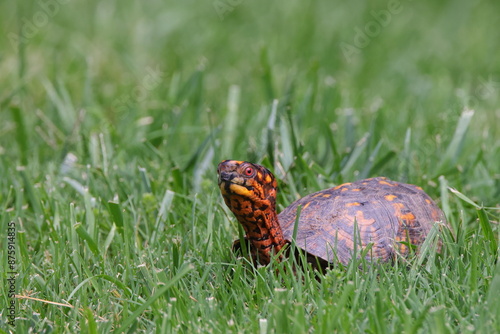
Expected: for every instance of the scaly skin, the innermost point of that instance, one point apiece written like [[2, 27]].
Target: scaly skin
[[249, 190]]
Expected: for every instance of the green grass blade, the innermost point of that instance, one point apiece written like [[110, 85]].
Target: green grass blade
[[133, 317], [22, 136], [109, 239], [115, 281], [463, 197], [483, 220], [491, 309], [406, 156], [90, 323], [271, 128], [296, 224], [367, 170], [487, 230], [116, 212], [454, 149], [231, 121], [31, 193], [359, 148], [267, 77], [84, 235]]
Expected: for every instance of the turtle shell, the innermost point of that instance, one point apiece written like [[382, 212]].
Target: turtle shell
[[387, 214]]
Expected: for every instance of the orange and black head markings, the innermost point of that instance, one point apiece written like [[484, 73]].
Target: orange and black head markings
[[234, 175], [249, 190]]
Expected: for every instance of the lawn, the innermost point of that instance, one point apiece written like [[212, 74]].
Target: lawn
[[115, 114]]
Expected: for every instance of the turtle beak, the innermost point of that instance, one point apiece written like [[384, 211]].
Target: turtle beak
[[225, 177], [227, 171]]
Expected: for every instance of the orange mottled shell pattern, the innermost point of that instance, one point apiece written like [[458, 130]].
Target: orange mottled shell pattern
[[387, 214]]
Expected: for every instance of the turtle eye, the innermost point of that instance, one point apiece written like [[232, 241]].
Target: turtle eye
[[249, 171]]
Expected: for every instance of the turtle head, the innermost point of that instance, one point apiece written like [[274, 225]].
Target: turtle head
[[249, 190], [246, 181]]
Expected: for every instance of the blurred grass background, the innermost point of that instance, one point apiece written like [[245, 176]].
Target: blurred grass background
[[116, 113]]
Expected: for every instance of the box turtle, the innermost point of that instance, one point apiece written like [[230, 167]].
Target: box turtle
[[389, 215]]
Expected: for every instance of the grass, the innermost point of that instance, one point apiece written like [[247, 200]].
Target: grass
[[115, 115]]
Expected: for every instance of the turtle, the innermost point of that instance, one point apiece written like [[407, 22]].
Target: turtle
[[388, 216]]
